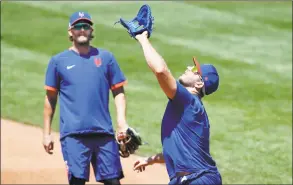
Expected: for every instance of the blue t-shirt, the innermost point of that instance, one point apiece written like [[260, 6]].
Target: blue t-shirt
[[185, 135], [84, 83]]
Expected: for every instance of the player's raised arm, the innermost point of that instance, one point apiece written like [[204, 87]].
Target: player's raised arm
[[159, 67]]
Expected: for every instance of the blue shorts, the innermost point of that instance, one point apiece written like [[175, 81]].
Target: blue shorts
[[205, 178], [100, 150]]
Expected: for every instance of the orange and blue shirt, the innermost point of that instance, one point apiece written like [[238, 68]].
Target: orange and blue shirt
[[185, 135], [83, 83]]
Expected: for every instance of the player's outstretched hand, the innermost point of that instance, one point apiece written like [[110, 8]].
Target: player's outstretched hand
[[143, 21], [141, 37], [139, 165]]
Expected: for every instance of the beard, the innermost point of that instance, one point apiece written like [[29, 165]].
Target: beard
[[82, 40]]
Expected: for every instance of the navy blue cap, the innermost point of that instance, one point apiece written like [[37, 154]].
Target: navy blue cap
[[209, 75], [77, 16]]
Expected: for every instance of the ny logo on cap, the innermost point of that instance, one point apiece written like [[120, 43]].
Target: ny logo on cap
[[81, 14]]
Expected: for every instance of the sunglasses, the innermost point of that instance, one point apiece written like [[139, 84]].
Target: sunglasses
[[193, 69], [80, 26]]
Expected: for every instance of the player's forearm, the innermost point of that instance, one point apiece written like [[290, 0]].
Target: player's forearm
[[49, 110], [154, 60], [120, 102], [158, 158]]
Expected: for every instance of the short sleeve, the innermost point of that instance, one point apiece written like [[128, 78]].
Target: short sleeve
[[182, 97], [116, 76], [52, 76]]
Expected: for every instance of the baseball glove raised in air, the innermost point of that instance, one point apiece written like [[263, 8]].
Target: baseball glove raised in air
[[143, 21], [130, 144]]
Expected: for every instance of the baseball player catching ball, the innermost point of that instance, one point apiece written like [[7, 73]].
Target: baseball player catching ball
[[82, 77], [185, 129]]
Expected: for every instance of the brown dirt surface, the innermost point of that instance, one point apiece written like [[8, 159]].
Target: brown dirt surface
[[24, 160]]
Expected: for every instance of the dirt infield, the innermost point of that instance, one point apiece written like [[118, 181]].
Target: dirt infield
[[24, 161]]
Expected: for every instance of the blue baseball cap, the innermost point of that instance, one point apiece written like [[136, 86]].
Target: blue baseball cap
[[209, 75], [77, 16]]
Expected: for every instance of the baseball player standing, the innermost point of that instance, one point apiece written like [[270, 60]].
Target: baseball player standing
[[82, 76], [185, 129]]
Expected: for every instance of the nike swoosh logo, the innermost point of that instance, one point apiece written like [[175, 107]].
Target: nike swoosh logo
[[69, 67]]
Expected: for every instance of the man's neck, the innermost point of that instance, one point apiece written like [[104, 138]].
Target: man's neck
[[83, 50], [192, 90]]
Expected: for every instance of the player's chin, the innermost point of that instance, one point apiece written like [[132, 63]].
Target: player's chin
[[183, 81], [180, 79]]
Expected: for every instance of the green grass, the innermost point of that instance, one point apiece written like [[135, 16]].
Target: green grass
[[249, 42]]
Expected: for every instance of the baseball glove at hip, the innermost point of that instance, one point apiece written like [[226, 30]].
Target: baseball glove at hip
[[130, 144]]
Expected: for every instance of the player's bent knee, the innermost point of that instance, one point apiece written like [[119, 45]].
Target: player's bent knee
[[111, 181], [76, 181]]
